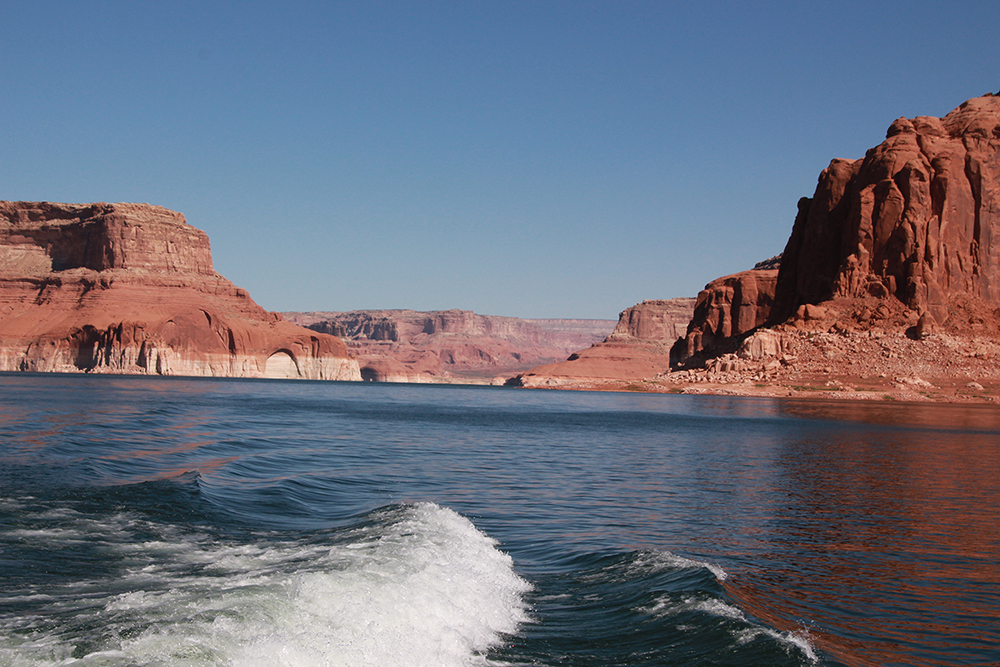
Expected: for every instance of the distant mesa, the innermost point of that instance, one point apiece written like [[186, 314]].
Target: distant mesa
[[130, 288], [638, 347], [450, 346]]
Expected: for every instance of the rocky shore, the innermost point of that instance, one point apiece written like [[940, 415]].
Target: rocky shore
[[859, 365]]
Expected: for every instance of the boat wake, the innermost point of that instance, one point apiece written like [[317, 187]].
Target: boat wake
[[405, 585], [647, 607]]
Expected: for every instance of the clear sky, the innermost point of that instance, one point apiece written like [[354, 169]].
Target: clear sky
[[533, 159]]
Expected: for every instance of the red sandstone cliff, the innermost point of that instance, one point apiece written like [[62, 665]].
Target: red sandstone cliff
[[130, 288], [918, 219], [450, 345], [914, 225], [891, 248]]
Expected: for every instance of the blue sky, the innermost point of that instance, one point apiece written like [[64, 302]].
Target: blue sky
[[533, 159]]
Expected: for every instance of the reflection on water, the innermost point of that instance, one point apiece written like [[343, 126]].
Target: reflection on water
[[955, 416], [882, 533]]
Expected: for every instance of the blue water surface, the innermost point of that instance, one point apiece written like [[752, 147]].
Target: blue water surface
[[179, 521]]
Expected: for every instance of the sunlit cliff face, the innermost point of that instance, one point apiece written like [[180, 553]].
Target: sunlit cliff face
[[130, 288]]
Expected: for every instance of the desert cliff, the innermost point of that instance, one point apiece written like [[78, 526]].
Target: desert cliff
[[917, 219], [450, 345], [888, 286], [130, 288]]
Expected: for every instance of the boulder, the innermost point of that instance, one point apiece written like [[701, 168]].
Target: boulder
[[762, 344]]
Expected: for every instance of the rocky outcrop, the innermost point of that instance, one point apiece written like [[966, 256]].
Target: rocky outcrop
[[130, 288], [917, 222], [654, 320], [905, 242], [726, 308], [450, 345], [639, 347], [918, 219]]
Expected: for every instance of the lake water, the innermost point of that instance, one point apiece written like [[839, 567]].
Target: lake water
[[168, 521]]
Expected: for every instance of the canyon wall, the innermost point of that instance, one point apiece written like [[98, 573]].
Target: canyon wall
[[915, 225], [450, 345], [130, 288], [918, 219]]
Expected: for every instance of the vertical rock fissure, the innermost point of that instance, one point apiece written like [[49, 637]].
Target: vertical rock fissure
[[974, 176]]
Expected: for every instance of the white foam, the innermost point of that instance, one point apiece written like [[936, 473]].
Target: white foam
[[665, 560], [798, 640], [418, 586], [667, 607]]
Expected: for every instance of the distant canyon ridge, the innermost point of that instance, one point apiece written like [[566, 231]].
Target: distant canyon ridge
[[451, 345]]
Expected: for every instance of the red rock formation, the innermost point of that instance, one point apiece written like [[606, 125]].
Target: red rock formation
[[654, 320], [450, 345], [918, 219], [130, 288], [639, 347], [901, 246], [728, 306]]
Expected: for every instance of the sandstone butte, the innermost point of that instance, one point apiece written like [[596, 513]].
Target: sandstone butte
[[637, 348], [888, 286], [451, 346], [130, 288]]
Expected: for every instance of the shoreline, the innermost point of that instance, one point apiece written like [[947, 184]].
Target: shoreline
[[935, 394], [870, 365]]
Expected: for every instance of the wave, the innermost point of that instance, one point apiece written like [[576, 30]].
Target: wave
[[145, 574], [647, 607], [404, 585]]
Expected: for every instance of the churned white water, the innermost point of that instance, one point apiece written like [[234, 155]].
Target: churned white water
[[416, 585]]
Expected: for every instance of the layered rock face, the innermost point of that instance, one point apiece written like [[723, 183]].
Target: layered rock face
[[450, 345], [917, 219], [654, 320], [130, 288], [639, 347], [917, 222]]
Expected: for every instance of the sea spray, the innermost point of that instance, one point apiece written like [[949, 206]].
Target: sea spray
[[409, 585]]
